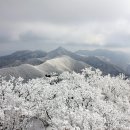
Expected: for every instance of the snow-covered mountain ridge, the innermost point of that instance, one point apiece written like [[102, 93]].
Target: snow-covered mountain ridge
[[58, 60], [57, 65]]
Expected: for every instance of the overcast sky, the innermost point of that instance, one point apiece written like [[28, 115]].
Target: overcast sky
[[73, 24]]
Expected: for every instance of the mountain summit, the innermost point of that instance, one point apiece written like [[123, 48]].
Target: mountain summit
[[58, 52], [60, 49]]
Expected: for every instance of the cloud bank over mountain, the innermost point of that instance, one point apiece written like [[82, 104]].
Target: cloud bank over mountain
[[79, 23]]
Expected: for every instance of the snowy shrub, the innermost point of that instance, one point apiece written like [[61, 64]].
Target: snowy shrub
[[70, 101]]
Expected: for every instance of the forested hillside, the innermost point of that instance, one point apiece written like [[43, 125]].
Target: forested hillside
[[70, 101]]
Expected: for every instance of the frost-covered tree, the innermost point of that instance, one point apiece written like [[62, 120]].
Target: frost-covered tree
[[70, 101]]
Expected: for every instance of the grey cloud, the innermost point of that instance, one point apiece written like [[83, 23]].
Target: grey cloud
[[81, 46], [63, 10], [30, 36], [47, 24], [4, 38], [118, 40]]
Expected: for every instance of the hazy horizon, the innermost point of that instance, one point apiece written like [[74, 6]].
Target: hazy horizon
[[68, 49]]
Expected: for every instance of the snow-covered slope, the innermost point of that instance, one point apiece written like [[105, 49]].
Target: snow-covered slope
[[22, 57], [118, 58], [25, 71], [128, 68], [97, 62], [60, 64], [104, 66]]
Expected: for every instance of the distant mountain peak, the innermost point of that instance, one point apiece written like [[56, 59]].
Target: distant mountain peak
[[60, 49]]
